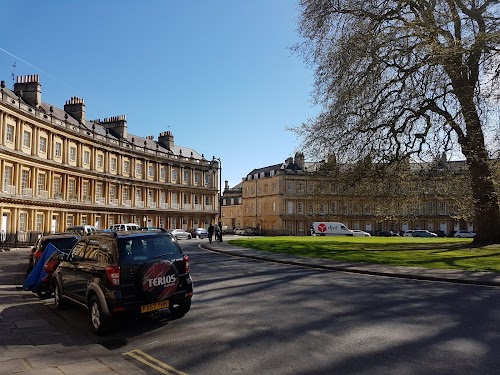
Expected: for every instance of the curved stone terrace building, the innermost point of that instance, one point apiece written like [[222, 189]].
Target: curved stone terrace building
[[59, 169], [286, 198]]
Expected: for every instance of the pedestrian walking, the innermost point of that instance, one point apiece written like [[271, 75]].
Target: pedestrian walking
[[216, 232], [210, 232], [220, 231]]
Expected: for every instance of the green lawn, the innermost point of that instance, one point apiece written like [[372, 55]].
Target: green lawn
[[451, 253]]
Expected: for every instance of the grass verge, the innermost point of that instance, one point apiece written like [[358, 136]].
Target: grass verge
[[448, 253]]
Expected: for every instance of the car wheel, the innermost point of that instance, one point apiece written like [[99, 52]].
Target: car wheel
[[189, 237], [59, 300], [44, 294], [100, 323], [180, 309]]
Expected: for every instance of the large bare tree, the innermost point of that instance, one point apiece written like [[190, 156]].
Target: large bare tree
[[398, 79]]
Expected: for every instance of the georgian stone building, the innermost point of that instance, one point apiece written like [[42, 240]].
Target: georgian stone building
[[286, 198], [231, 207], [59, 169]]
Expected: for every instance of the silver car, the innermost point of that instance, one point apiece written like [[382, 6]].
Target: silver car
[[465, 234], [180, 234]]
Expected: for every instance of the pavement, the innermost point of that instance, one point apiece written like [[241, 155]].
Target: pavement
[[36, 340]]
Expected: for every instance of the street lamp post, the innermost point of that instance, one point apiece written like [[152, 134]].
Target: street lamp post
[[214, 159], [256, 206]]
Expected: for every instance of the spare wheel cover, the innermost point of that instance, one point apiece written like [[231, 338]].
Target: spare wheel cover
[[158, 280]]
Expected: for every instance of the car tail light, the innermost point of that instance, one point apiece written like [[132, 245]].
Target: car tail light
[[185, 258], [50, 265], [113, 273]]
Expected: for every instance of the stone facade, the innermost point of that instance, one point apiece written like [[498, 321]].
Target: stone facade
[[231, 207], [286, 198], [59, 169]]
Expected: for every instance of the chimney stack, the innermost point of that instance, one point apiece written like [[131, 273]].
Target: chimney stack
[[116, 125], [299, 160], [75, 107], [166, 139], [29, 88]]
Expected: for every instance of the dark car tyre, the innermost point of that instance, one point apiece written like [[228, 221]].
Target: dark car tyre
[[59, 301], [99, 322], [44, 294], [180, 309]]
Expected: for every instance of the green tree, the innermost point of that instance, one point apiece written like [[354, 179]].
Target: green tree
[[399, 79]]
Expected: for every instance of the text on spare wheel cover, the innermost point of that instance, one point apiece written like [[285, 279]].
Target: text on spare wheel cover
[[160, 280]]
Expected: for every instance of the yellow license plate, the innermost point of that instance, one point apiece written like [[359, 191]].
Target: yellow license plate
[[154, 306]]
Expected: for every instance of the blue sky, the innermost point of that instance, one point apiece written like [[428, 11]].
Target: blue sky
[[218, 74]]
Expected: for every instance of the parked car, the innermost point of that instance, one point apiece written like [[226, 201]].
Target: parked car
[[387, 233], [226, 229], [439, 233], [423, 233], [239, 231], [63, 241], [180, 234], [408, 233], [199, 233], [465, 234], [82, 230], [102, 231], [249, 231], [360, 233], [124, 274], [46, 287], [124, 227], [154, 229]]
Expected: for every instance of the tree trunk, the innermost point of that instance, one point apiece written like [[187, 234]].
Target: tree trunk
[[485, 198], [486, 210]]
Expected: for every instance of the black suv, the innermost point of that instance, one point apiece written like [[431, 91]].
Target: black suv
[[116, 273]]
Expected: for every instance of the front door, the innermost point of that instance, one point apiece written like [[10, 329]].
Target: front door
[[443, 227]]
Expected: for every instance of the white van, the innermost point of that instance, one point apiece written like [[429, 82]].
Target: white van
[[124, 227], [330, 228]]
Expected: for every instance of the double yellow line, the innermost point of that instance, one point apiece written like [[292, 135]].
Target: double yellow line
[[153, 362]]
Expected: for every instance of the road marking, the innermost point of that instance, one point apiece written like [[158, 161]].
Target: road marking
[[153, 363]]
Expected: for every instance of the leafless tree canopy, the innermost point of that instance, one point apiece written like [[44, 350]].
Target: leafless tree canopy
[[405, 78]]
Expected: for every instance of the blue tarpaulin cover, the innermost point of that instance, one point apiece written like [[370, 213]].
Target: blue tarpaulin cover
[[34, 279]]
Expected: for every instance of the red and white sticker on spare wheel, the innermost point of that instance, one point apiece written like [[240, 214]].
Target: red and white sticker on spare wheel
[[159, 280]]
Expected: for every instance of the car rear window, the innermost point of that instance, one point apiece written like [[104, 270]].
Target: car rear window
[[139, 249], [63, 244]]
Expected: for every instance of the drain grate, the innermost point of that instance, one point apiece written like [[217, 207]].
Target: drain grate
[[113, 344]]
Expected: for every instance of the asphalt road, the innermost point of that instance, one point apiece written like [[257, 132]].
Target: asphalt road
[[251, 317]]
